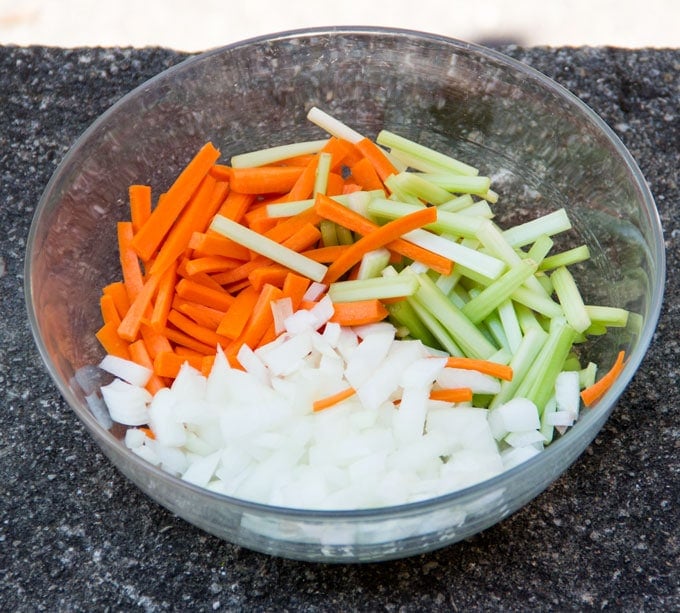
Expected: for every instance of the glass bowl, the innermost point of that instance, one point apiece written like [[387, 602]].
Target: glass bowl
[[544, 148]]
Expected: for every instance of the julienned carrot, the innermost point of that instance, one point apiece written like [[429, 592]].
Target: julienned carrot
[[377, 157], [258, 219], [285, 229], [238, 313], [119, 295], [200, 278], [358, 313], [264, 179], [129, 326], [330, 209], [200, 333], [156, 342], [501, 371], [221, 172], [211, 264], [206, 243], [129, 262], [333, 399], [217, 299], [335, 184], [295, 286], [152, 233], [261, 317], [326, 255], [164, 296], [365, 175], [108, 337], [592, 394], [110, 314], [179, 338], [140, 205], [274, 274], [140, 354], [201, 314], [339, 149], [380, 237], [454, 394], [304, 185], [168, 363], [235, 205]]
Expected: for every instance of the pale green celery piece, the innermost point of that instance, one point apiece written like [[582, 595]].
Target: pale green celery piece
[[480, 208], [457, 204], [539, 383], [396, 142], [460, 184], [421, 188], [405, 315], [495, 242], [595, 330], [376, 287], [520, 363], [465, 334], [565, 258], [499, 291], [572, 363], [586, 376], [502, 356], [510, 323], [492, 196], [447, 282], [635, 323], [445, 245], [537, 302], [269, 248], [398, 194], [548, 430], [345, 236], [545, 282], [333, 126], [373, 263], [433, 325], [289, 209], [459, 296], [495, 327], [329, 234], [455, 224], [526, 233], [323, 167], [276, 154], [612, 317], [570, 298], [540, 249], [527, 318]]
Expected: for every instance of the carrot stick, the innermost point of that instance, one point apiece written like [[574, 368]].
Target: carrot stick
[[454, 394], [376, 156], [200, 278], [118, 292], [139, 354], [304, 186], [365, 175], [238, 313], [275, 274], [196, 216], [330, 209], [261, 317], [240, 272], [235, 205], [210, 264], [326, 255], [150, 235], [217, 299], [201, 314], [339, 149], [296, 160], [108, 337], [264, 179], [258, 219], [333, 399], [140, 205], [501, 371], [177, 337], [155, 342], [592, 394], [380, 237], [129, 326], [129, 262], [295, 286], [286, 228], [168, 363], [335, 184], [164, 296], [200, 333], [109, 311], [358, 313], [207, 243], [221, 172]]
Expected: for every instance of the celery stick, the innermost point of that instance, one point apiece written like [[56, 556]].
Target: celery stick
[[485, 265], [373, 263], [333, 126], [546, 283], [329, 234], [398, 194], [419, 187], [491, 196], [396, 142], [480, 208], [276, 154], [539, 383], [520, 363], [269, 248], [540, 249], [466, 335], [403, 314], [570, 298], [537, 302], [612, 317], [377, 287], [495, 328], [550, 224], [566, 258], [526, 318], [499, 291], [548, 430], [288, 209], [457, 204], [434, 326], [455, 224], [345, 236], [460, 184], [510, 323], [586, 376], [447, 282], [323, 167]]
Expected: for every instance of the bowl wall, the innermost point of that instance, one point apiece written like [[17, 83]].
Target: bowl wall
[[543, 148]]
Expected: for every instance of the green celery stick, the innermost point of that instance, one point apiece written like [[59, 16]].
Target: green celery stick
[[538, 302], [323, 167], [540, 249], [510, 323], [566, 258], [421, 188], [612, 317], [570, 298], [276, 154], [329, 233], [460, 184], [403, 314], [374, 288], [526, 233], [457, 204], [373, 263], [437, 330]]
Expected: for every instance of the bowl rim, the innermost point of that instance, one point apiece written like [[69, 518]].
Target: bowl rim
[[583, 435]]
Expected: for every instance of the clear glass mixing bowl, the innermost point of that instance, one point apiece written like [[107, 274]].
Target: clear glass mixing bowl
[[545, 148]]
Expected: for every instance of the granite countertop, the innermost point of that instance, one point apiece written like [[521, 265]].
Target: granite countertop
[[75, 535]]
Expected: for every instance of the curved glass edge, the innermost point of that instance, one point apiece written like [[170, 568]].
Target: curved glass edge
[[604, 407]]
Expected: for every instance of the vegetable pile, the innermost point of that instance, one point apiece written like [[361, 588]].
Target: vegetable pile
[[340, 323]]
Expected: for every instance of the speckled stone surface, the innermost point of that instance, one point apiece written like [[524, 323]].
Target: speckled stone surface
[[76, 536]]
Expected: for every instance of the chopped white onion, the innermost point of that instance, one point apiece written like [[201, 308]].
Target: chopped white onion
[[127, 370]]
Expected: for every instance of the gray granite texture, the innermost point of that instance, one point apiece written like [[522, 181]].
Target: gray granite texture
[[76, 536]]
